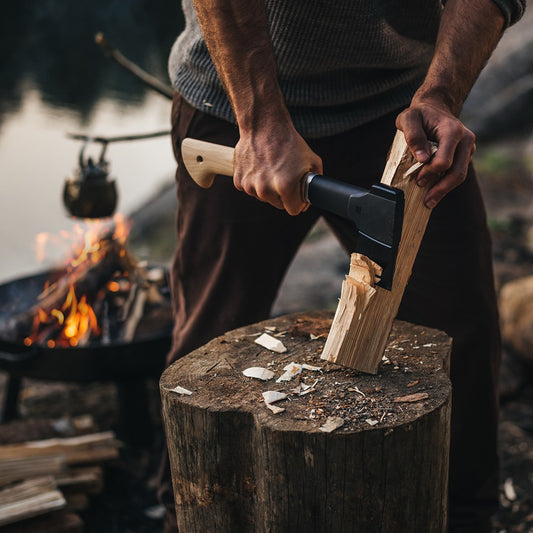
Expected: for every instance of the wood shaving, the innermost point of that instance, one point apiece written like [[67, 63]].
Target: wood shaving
[[271, 396], [181, 390], [258, 372], [410, 398], [332, 423], [271, 343]]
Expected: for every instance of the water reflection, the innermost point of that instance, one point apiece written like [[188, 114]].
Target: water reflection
[[49, 44], [55, 79]]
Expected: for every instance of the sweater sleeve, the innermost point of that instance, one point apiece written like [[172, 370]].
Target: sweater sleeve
[[512, 10]]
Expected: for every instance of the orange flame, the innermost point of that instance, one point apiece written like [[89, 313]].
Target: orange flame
[[76, 319]]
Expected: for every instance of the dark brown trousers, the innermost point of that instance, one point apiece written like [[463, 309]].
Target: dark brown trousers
[[233, 252]]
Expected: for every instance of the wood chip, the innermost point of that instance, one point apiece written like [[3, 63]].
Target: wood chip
[[291, 370], [271, 343], [271, 396], [508, 490], [411, 398], [371, 422], [181, 390], [275, 409], [311, 367], [332, 423], [258, 372]]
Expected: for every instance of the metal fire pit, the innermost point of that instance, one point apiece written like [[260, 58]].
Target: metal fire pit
[[115, 361]]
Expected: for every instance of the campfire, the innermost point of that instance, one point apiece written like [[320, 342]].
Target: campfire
[[101, 294]]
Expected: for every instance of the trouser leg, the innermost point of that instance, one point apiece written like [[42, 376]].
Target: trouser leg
[[451, 289], [231, 256]]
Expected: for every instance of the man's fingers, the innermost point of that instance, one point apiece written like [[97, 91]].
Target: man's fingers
[[416, 138], [453, 177]]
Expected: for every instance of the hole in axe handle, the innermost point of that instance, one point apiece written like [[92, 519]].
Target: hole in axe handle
[[199, 159]]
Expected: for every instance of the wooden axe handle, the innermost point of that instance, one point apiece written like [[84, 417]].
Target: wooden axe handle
[[204, 160]]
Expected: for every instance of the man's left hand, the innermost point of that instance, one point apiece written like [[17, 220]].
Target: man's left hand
[[426, 121]]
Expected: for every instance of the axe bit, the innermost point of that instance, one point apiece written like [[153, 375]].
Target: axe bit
[[376, 212]]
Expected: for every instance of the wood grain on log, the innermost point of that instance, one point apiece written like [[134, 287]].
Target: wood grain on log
[[362, 343], [29, 498], [236, 466]]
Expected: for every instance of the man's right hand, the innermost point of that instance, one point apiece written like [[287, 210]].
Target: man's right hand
[[271, 163]]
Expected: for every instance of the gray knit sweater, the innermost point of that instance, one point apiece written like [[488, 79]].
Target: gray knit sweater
[[340, 64]]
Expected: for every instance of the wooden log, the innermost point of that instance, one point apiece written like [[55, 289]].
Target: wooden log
[[20, 468], [347, 452], [359, 336], [56, 522], [86, 479], [29, 498], [85, 449]]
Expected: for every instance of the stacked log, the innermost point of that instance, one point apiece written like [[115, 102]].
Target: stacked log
[[44, 483]]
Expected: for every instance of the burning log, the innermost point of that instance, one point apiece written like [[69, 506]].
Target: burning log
[[103, 293]]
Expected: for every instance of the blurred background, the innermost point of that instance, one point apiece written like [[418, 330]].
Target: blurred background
[[56, 80]]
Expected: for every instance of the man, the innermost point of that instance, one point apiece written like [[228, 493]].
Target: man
[[299, 86]]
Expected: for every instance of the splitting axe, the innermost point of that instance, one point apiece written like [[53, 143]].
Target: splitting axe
[[376, 212]]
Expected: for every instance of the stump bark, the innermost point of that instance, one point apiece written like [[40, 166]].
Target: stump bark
[[237, 466]]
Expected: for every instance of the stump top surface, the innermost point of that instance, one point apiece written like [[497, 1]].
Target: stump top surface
[[411, 380]]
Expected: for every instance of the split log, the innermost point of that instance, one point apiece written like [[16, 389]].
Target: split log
[[56, 522], [85, 449], [347, 451], [20, 468], [29, 498], [359, 335], [86, 479], [17, 431]]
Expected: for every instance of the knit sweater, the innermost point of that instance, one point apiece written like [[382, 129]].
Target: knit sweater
[[340, 64]]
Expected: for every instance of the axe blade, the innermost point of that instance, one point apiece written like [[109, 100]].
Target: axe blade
[[376, 212]]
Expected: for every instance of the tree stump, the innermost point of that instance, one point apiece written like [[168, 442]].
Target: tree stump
[[353, 452]]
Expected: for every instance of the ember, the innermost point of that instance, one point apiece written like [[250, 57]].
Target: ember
[[101, 293]]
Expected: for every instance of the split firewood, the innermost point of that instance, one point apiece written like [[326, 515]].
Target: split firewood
[[61, 521], [357, 291], [86, 479], [135, 315], [19, 468], [85, 449], [364, 318], [29, 498]]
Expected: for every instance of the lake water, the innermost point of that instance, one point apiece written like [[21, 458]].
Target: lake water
[[59, 81]]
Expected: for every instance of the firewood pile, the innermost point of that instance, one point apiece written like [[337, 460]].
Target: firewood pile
[[45, 482]]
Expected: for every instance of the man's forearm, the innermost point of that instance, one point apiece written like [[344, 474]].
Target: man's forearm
[[236, 34], [271, 157], [469, 32]]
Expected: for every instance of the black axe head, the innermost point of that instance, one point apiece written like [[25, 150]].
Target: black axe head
[[377, 213]]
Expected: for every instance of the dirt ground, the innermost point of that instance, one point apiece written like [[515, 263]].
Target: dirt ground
[[129, 504]]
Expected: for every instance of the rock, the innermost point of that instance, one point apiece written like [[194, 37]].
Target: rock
[[516, 311], [496, 107]]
